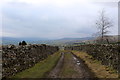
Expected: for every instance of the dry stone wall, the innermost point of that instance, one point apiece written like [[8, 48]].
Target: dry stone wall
[[18, 58], [107, 54]]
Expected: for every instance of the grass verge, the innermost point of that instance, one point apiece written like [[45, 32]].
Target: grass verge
[[101, 71], [41, 68]]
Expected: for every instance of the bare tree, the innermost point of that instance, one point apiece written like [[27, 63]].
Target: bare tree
[[102, 24]]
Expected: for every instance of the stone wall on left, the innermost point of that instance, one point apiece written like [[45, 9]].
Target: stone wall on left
[[18, 58]]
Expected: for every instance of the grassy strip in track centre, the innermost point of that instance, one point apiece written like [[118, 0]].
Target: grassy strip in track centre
[[41, 68], [67, 70], [101, 71]]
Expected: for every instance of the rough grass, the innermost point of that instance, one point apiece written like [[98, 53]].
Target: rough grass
[[40, 69], [101, 71]]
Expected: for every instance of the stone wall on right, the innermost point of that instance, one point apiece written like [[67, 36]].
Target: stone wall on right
[[108, 54]]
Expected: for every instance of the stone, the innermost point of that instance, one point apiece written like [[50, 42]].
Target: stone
[[18, 58]]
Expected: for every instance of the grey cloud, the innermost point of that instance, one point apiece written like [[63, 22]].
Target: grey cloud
[[49, 21]]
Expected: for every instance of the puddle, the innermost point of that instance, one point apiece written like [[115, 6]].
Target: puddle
[[74, 58], [78, 63]]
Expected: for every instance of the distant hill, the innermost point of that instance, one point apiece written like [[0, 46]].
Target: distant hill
[[11, 40], [84, 38], [110, 38], [62, 41]]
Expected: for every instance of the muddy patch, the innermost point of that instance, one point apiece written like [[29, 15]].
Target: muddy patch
[[70, 66], [55, 72], [86, 72]]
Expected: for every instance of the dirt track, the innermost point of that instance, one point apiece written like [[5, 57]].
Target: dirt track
[[70, 66], [55, 72]]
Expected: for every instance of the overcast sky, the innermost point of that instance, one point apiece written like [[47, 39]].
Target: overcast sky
[[55, 19]]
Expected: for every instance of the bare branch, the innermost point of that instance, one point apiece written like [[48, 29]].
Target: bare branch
[[103, 23]]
